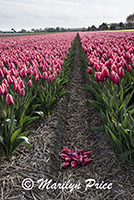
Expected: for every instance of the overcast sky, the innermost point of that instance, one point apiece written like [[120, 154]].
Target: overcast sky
[[29, 14]]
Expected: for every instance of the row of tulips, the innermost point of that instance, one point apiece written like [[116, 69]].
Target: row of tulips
[[109, 58], [33, 72]]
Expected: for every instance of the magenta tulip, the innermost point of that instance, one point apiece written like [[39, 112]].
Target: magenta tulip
[[65, 164], [87, 161], [30, 83], [90, 70], [121, 72], [9, 99], [74, 164], [114, 77]]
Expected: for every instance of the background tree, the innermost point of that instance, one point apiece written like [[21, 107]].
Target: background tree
[[23, 30], [130, 19], [121, 25]]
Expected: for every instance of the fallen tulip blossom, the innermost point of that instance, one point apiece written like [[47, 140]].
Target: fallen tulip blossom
[[75, 157]]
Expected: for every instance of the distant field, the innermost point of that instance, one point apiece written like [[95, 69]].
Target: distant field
[[21, 34], [125, 30]]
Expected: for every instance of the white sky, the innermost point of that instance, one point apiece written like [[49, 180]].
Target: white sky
[[29, 14]]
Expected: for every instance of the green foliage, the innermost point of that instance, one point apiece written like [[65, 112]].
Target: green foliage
[[11, 136]]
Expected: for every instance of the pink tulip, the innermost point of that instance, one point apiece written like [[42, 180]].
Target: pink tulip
[[68, 159], [105, 72], [121, 72], [2, 90], [9, 99], [129, 69], [87, 161], [49, 78], [37, 78], [67, 151], [91, 63], [74, 164], [30, 83], [74, 156], [81, 157], [45, 75], [65, 164], [5, 82], [86, 154], [23, 72], [15, 85], [99, 76], [90, 70], [80, 152], [22, 92], [63, 155], [54, 76], [1, 74], [114, 68], [21, 83], [114, 77], [9, 79], [5, 71]]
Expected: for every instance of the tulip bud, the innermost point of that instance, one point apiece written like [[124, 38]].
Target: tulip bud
[[22, 92], [4, 87], [129, 69], [5, 82], [30, 83], [99, 76], [105, 72], [9, 79], [121, 72], [113, 68], [45, 75], [1, 74], [37, 78], [5, 71], [90, 70], [114, 77], [1, 90], [9, 99]]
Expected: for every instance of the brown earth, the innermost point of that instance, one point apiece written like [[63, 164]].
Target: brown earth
[[69, 125]]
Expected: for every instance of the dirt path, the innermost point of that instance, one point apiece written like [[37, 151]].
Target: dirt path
[[69, 125]]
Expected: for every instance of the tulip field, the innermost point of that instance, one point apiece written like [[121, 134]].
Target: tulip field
[[110, 61], [32, 76], [33, 72], [67, 116]]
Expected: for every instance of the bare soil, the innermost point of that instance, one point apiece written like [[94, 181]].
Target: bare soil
[[69, 125]]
